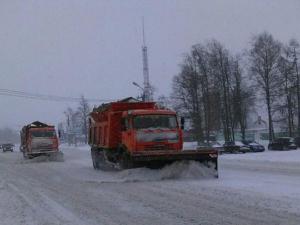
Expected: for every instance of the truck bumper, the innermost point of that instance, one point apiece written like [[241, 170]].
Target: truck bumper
[[42, 152]]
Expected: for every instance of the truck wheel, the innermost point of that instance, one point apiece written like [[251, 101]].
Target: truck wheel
[[97, 158], [25, 156], [93, 154], [125, 161]]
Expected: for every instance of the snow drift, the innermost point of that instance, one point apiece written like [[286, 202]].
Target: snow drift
[[176, 170]]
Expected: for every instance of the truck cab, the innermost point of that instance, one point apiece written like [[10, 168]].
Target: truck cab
[[151, 130], [37, 139], [42, 139]]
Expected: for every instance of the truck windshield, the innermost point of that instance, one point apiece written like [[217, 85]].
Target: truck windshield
[[155, 122], [42, 133]]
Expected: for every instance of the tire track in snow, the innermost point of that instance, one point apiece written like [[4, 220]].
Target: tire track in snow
[[43, 208]]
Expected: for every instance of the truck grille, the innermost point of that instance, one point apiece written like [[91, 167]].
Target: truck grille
[[41, 144], [158, 147]]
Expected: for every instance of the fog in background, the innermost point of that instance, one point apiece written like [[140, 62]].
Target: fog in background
[[93, 47]]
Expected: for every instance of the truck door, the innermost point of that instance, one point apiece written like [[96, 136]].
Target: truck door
[[127, 133]]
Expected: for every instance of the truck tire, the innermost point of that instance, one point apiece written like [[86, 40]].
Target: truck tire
[[125, 161], [98, 159], [93, 154], [26, 156]]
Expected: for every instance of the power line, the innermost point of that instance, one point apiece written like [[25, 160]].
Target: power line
[[44, 97]]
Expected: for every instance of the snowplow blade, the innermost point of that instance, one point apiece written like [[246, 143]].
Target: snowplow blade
[[208, 157], [57, 156]]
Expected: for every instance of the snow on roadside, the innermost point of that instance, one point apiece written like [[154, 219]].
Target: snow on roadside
[[190, 145], [269, 156]]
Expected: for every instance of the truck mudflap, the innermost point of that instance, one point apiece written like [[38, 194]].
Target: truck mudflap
[[207, 157]]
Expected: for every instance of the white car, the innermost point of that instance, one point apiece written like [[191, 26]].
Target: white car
[[243, 148]]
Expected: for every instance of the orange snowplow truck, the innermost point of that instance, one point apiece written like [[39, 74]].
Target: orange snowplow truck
[[134, 134], [38, 139]]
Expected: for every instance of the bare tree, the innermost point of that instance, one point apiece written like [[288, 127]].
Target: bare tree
[[84, 110], [203, 90], [243, 98], [163, 102], [186, 90], [286, 106], [264, 56], [294, 48], [69, 113], [200, 55], [220, 67]]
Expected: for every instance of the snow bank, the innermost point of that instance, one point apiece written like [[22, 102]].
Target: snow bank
[[269, 156], [190, 145]]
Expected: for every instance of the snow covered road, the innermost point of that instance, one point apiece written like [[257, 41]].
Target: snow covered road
[[260, 188]]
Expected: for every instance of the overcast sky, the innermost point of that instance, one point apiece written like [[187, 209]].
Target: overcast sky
[[93, 47]]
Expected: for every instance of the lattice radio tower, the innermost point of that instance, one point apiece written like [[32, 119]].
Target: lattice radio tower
[[147, 96]]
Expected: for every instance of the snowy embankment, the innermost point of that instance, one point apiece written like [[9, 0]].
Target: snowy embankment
[[268, 156], [190, 145]]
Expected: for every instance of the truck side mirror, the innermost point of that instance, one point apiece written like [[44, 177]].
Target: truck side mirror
[[59, 134], [182, 123]]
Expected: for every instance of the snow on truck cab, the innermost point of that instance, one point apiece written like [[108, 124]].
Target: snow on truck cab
[[38, 139], [134, 134]]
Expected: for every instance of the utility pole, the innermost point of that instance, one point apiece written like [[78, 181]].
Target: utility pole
[[147, 88]]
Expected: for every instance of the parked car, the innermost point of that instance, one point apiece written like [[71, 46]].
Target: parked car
[[243, 148], [203, 145], [213, 144], [297, 141], [7, 147], [254, 146], [231, 147], [217, 146], [282, 143]]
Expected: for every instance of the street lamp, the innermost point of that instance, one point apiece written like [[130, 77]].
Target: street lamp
[[143, 90]]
